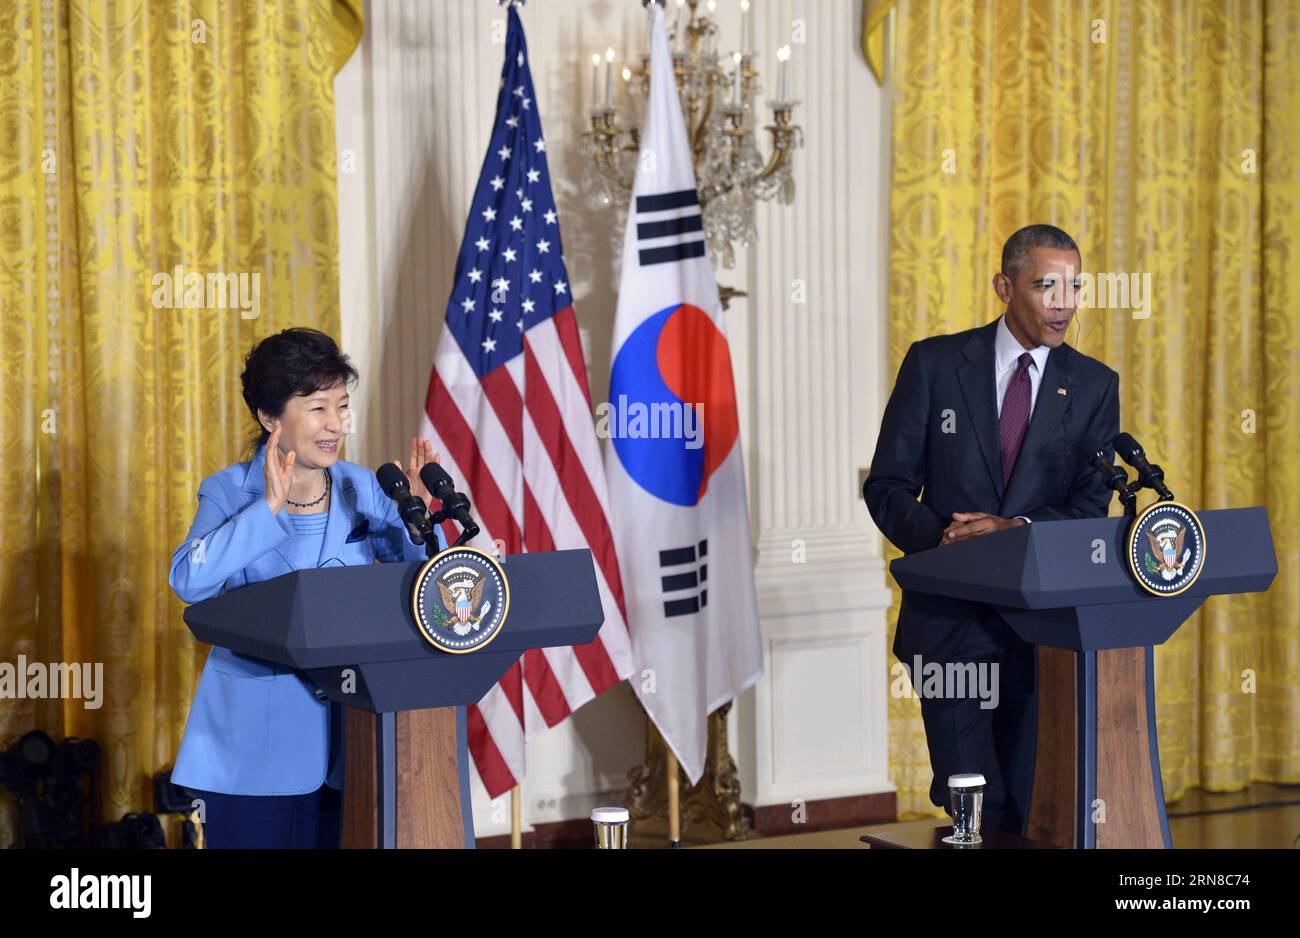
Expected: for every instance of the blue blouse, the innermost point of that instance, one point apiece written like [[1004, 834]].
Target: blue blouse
[[308, 538], [304, 553]]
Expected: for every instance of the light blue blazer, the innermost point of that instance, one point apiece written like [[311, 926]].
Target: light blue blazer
[[256, 728]]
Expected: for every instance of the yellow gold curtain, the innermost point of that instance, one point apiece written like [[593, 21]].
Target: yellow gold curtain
[[136, 138], [874, 14], [1164, 137]]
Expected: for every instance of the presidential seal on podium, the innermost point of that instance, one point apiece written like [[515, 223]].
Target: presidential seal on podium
[[1166, 548], [460, 600]]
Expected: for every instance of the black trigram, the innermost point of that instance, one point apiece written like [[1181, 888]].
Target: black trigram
[[669, 227], [685, 581]]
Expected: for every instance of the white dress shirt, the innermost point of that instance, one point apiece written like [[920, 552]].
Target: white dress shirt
[[1006, 356]]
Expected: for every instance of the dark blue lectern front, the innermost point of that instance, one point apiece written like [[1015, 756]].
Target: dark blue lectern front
[[1096, 779], [351, 632]]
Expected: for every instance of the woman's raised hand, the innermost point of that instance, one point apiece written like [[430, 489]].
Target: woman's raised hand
[[421, 453], [278, 472]]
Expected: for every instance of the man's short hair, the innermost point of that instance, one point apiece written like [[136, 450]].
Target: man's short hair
[[1015, 253]]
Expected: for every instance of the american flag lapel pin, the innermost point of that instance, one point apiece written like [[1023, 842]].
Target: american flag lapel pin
[[1062, 392]]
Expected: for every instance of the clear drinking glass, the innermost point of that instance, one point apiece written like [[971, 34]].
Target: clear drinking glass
[[611, 827], [967, 793]]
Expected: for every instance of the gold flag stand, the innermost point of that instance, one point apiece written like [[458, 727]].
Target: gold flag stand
[[710, 810]]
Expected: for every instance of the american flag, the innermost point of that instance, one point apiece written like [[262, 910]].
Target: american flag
[[510, 410]]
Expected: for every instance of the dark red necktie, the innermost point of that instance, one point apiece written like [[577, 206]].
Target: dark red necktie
[[1015, 415]]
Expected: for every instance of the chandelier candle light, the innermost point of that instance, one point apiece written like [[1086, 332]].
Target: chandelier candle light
[[718, 94]]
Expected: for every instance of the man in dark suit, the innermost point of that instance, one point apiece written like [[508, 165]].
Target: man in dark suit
[[990, 427]]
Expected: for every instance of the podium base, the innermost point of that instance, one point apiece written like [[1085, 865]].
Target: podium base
[[407, 785], [1097, 764]]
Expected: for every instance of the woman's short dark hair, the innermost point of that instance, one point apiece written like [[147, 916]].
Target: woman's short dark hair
[[291, 363]]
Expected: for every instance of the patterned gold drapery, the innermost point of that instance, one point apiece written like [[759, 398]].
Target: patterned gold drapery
[[1163, 136], [138, 137]]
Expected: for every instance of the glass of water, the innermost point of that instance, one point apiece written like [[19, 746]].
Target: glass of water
[[967, 793], [611, 828]]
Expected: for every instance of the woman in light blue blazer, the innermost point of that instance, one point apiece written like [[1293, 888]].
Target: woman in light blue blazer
[[260, 748]]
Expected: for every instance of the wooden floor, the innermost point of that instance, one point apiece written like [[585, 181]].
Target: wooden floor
[[1263, 815]]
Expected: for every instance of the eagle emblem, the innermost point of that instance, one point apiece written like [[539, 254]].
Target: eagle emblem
[[1168, 553], [468, 609], [461, 590], [1166, 548]]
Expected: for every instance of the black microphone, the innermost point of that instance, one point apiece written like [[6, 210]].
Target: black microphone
[[1116, 478], [1153, 477], [413, 511], [454, 504]]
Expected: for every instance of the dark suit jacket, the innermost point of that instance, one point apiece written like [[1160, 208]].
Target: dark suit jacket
[[948, 382]]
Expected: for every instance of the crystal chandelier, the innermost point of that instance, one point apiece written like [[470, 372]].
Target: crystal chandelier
[[718, 94]]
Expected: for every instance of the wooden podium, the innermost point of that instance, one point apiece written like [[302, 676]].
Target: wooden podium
[[1096, 778], [351, 633]]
